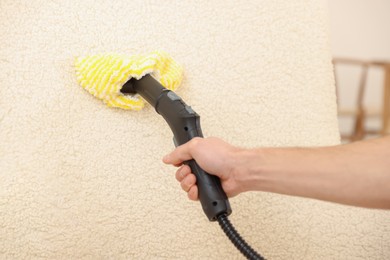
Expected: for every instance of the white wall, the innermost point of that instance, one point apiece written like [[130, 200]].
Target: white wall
[[360, 29]]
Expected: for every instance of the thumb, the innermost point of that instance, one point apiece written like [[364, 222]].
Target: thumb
[[179, 155]]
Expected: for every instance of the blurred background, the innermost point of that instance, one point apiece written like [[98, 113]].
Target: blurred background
[[360, 42]]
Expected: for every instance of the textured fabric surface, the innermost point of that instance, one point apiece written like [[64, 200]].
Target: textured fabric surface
[[80, 180]]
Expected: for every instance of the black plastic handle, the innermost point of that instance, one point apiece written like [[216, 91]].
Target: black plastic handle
[[185, 125], [211, 195]]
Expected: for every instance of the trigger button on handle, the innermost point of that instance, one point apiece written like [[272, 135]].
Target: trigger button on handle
[[172, 96], [190, 110]]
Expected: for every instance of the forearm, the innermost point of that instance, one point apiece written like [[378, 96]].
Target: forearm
[[355, 174]]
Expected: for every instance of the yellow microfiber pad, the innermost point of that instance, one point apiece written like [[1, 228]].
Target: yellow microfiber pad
[[104, 75]]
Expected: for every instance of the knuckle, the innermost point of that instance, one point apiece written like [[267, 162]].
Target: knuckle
[[192, 194], [179, 174], [184, 185]]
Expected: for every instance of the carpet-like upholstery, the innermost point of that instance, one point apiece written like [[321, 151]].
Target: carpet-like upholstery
[[79, 180]]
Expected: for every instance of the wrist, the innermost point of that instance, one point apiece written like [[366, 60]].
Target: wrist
[[249, 172]]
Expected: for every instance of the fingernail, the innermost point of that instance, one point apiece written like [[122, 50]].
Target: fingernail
[[166, 158]]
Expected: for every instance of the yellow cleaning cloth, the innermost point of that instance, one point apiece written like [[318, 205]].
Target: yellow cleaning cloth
[[104, 75]]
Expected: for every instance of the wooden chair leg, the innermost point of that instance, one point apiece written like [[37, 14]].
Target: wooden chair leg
[[386, 102], [359, 130]]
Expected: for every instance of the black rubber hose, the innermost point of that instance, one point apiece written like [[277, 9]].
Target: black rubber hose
[[237, 240]]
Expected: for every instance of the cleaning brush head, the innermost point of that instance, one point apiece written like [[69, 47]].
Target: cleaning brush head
[[104, 75]]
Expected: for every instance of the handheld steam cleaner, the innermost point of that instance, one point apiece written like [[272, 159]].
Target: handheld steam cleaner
[[118, 81]]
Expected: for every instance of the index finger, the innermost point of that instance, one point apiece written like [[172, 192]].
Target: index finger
[[179, 155]]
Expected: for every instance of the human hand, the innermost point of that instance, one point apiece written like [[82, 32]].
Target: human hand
[[215, 157]]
